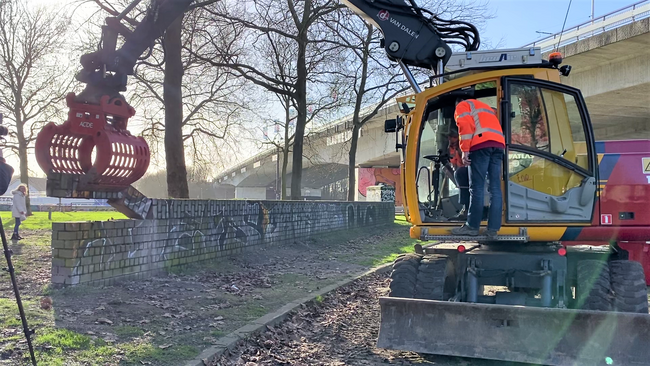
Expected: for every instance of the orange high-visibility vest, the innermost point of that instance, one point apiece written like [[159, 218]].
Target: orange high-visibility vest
[[454, 152], [477, 123]]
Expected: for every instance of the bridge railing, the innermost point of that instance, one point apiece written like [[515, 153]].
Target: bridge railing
[[601, 24]]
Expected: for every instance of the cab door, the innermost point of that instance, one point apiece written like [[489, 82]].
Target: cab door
[[551, 164]]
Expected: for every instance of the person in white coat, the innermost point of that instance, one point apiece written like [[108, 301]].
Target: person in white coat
[[19, 209]]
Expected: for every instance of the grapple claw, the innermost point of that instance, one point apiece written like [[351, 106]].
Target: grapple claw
[[65, 152]]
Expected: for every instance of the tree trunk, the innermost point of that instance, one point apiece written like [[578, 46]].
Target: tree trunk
[[301, 119], [285, 162], [24, 171], [352, 161], [173, 96], [356, 122]]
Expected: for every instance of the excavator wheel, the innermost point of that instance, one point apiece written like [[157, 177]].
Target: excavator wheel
[[436, 278], [404, 275], [629, 287], [593, 290]]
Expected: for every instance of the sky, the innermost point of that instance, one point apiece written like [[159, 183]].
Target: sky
[[514, 25], [517, 21]]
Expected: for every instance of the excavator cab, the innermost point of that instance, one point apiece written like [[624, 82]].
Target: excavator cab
[[550, 163]]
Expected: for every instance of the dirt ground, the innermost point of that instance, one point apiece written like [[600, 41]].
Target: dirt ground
[[170, 319], [340, 330]]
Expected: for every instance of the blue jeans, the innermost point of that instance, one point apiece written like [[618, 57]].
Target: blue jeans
[[17, 225], [485, 163], [462, 179]]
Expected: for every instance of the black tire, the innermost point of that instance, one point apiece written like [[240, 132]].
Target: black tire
[[593, 290], [436, 278], [629, 287], [404, 276]]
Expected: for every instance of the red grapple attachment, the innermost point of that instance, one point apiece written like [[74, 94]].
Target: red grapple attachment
[[65, 152]]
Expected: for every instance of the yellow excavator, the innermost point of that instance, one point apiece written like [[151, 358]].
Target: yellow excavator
[[556, 286]]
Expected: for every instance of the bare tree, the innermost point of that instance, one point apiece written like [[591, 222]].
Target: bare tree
[[200, 104], [281, 56], [282, 146], [33, 77], [291, 28], [374, 80]]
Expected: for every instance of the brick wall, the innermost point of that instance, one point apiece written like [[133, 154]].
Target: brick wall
[[179, 232]]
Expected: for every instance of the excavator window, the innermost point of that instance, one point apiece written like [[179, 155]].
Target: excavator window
[[549, 121], [528, 123], [550, 174]]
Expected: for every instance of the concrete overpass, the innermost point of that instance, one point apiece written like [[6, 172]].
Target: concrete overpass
[[325, 162], [610, 57]]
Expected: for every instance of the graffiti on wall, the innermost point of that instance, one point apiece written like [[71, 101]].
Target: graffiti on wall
[[388, 195], [374, 176], [217, 226]]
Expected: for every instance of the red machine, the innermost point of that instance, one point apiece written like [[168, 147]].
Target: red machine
[[622, 212], [120, 158]]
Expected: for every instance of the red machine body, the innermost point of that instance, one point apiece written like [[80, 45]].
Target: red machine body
[[119, 157], [622, 212]]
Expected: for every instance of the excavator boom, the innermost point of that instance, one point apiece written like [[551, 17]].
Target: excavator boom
[[105, 71], [413, 36]]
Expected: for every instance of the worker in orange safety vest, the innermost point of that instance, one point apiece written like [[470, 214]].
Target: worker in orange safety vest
[[482, 144]]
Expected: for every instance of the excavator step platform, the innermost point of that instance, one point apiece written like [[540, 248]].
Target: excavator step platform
[[474, 239]]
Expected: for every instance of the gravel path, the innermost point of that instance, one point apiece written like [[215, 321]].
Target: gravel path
[[341, 330]]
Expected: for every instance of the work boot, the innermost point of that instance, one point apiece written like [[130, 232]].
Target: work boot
[[491, 234], [461, 216], [464, 230]]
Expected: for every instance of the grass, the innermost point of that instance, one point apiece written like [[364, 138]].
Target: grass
[[55, 346], [40, 221], [140, 354], [218, 333], [63, 339], [128, 331], [9, 316], [387, 247]]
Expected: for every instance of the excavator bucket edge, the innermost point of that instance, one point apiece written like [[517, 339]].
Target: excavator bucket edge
[[542, 336]]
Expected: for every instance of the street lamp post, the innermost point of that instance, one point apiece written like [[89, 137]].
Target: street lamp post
[[277, 172], [592, 10]]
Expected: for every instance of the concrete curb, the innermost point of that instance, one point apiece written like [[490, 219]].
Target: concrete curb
[[256, 326]]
